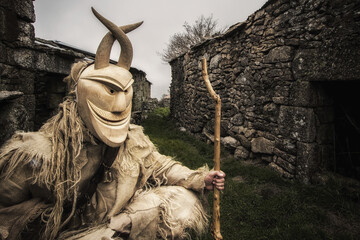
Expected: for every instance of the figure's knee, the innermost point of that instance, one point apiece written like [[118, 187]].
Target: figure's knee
[[182, 212], [168, 212], [179, 203]]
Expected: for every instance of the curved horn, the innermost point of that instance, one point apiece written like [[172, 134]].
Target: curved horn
[[102, 56], [126, 47]]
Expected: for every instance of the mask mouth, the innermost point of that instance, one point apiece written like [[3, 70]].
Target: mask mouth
[[110, 118]]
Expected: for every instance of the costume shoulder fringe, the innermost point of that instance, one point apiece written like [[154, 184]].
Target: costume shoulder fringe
[[138, 141], [31, 148], [137, 147]]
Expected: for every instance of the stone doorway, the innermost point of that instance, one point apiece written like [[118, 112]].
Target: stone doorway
[[345, 96]]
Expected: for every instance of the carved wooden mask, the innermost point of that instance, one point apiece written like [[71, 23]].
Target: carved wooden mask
[[104, 91]]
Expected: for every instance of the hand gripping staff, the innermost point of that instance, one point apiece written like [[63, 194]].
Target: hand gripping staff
[[215, 229]]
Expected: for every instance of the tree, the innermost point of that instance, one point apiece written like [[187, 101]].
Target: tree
[[204, 28]]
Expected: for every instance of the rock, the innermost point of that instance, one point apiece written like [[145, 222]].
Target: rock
[[182, 129], [244, 141], [262, 145], [237, 119], [280, 170], [9, 29], [214, 62], [24, 58], [241, 153], [297, 123], [287, 157], [229, 142], [9, 95], [15, 117], [26, 34], [307, 161], [285, 165], [303, 94], [279, 54], [208, 135], [25, 9]]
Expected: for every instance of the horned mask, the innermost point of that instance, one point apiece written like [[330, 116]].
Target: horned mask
[[104, 91]]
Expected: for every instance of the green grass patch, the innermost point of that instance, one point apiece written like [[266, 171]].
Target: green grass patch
[[259, 204]]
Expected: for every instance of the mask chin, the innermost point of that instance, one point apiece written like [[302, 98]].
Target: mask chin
[[110, 135]]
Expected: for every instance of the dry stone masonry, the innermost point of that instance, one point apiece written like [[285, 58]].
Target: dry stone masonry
[[281, 76]]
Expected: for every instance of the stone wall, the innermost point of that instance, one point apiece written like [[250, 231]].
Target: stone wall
[[29, 72], [142, 89], [142, 102], [17, 100], [272, 73]]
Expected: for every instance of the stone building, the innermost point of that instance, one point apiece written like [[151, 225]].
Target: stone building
[[32, 70], [142, 89], [288, 77]]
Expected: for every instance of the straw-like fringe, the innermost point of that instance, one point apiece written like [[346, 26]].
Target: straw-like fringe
[[62, 174], [197, 223], [139, 150], [138, 146], [18, 152], [52, 154]]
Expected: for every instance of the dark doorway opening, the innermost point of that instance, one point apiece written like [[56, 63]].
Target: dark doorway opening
[[346, 96], [50, 91]]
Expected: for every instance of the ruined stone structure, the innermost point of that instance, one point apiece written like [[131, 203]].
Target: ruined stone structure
[[288, 78], [142, 89], [32, 70]]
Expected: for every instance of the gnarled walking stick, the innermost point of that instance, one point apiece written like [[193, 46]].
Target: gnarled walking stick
[[215, 229]]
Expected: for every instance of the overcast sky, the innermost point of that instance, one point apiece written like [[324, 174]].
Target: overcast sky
[[72, 22]]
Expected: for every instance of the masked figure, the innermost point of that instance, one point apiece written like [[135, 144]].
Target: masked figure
[[90, 174]]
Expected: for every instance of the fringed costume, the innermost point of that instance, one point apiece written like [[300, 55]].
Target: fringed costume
[[158, 194], [89, 174]]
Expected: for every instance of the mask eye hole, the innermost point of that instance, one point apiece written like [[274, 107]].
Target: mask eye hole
[[128, 90], [110, 90]]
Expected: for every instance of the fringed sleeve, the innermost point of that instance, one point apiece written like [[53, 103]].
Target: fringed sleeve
[[20, 160], [164, 170], [24, 148], [175, 174]]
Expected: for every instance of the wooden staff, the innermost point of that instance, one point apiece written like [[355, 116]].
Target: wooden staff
[[215, 229]]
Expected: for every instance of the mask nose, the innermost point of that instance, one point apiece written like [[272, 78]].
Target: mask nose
[[120, 102]]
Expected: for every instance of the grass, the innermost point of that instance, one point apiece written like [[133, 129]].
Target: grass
[[259, 204]]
